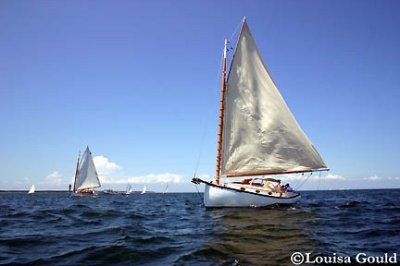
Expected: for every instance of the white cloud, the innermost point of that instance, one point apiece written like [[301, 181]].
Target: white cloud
[[334, 177], [24, 181], [54, 178], [394, 178], [150, 178], [204, 176], [111, 173], [105, 167], [373, 178], [314, 177]]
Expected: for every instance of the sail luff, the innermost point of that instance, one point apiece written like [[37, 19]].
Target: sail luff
[[76, 172], [221, 118], [236, 47], [222, 167]]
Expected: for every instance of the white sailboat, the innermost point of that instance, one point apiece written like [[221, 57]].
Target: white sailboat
[[129, 189], [32, 189], [166, 189], [144, 190], [86, 178], [258, 135]]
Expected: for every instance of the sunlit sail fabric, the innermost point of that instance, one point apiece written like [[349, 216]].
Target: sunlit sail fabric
[[260, 134], [87, 175]]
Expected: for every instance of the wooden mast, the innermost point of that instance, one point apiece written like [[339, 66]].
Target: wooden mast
[[76, 172], [221, 118]]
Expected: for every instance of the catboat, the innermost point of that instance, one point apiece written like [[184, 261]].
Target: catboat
[[86, 177], [258, 136]]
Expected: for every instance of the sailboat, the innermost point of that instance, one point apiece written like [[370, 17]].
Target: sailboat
[[86, 178], [258, 136], [129, 189], [144, 190], [32, 189], [166, 189]]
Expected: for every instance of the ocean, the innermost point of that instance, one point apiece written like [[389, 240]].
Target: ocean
[[53, 228]]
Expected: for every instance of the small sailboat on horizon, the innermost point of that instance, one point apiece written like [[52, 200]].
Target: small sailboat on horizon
[[86, 178], [144, 190], [128, 191], [166, 189], [32, 190], [258, 136]]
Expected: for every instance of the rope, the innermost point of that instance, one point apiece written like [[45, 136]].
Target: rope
[[200, 150], [235, 32], [319, 180], [201, 199], [304, 182]]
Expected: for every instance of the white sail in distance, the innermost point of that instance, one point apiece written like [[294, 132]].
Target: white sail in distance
[[87, 176], [32, 189], [260, 134]]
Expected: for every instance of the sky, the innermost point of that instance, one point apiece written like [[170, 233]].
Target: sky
[[138, 82]]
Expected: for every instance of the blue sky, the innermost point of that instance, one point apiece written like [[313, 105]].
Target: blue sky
[[138, 81]]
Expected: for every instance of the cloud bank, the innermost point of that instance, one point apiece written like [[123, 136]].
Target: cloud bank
[[55, 178], [111, 173], [314, 177], [373, 178]]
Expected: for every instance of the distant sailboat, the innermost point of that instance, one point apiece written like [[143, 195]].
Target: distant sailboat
[[32, 189], [129, 190], [144, 190], [86, 178], [258, 135], [166, 189]]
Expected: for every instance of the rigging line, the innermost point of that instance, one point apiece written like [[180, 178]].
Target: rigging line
[[217, 80], [200, 150], [205, 128], [236, 31], [319, 180], [198, 193], [235, 35], [304, 181]]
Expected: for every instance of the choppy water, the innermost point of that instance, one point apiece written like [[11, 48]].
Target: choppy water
[[53, 228]]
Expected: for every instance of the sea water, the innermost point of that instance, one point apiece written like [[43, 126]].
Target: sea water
[[54, 228]]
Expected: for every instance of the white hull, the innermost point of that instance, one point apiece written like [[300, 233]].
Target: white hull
[[227, 197], [79, 194]]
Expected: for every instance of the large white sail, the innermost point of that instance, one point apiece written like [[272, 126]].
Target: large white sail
[[260, 134], [87, 176]]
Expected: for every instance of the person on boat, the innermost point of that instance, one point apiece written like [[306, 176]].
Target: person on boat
[[267, 184], [289, 188], [275, 186], [86, 190]]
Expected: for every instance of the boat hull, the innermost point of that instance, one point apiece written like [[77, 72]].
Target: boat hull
[[218, 196]]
